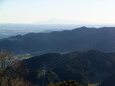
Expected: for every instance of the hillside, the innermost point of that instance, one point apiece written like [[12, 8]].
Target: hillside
[[84, 67], [110, 81], [80, 39]]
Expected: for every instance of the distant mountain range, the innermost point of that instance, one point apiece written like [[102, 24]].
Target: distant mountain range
[[7, 30], [79, 39]]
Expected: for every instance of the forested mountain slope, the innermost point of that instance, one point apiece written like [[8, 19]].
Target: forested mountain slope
[[84, 67]]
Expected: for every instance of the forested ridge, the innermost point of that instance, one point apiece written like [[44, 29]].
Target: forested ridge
[[84, 67]]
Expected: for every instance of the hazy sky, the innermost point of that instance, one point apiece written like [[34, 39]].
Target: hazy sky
[[30, 11]]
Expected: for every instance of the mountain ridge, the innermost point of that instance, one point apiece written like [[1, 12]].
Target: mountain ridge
[[79, 39]]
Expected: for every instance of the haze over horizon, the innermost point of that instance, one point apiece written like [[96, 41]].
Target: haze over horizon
[[88, 11]]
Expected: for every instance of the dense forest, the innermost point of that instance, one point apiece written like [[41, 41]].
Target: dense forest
[[84, 67]]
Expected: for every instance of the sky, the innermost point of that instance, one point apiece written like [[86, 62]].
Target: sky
[[31, 11]]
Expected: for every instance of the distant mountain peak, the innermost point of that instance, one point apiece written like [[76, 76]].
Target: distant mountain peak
[[59, 21]]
